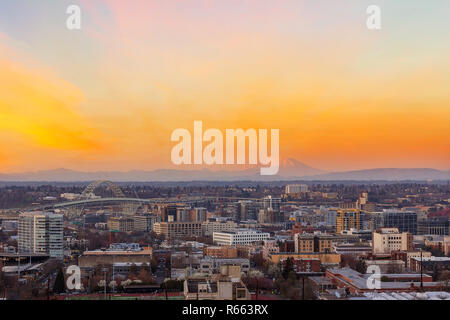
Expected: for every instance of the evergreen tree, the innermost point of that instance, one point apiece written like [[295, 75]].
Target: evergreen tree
[[288, 267], [361, 266], [59, 286]]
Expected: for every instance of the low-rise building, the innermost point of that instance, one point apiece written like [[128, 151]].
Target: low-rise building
[[313, 243], [121, 224], [386, 240], [354, 249], [304, 265], [430, 263], [171, 230], [406, 256], [387, 266], [332, 259], [145, 222], [224, 286], [209, 227], [213, 265], [441, 243], [239, 236], [357, 283], [91, 259], [221, 251], [269, 247]]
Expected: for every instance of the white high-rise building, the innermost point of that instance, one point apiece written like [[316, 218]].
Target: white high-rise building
[[41, 232], [296, 188]]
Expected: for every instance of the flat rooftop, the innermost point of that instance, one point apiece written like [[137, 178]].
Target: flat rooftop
[[112, 253]]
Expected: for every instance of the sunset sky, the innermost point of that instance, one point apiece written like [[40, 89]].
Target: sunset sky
[[108, 96]]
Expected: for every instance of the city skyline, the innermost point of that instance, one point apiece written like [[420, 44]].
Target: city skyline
[[108, 96]]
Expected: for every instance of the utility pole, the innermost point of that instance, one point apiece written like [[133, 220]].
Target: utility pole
[[104, 271], [18, 270], [303, 287], [421, 271], [257, 288], [113, 287], [48, 286]]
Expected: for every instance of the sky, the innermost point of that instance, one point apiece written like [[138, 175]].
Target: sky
[[108, 96]]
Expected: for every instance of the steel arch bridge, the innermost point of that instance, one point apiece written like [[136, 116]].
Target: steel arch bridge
[[129, 206], [94, 185]]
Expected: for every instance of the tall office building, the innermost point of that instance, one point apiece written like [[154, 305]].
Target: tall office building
[[198, 214], [41, 232], [331, 217], [296, 188], [167, 211], [270, 202], [348, 219], [363, 198], [183, 214], [121, 224], [249, 210], [405, 221], [145, 222], [434, 226]]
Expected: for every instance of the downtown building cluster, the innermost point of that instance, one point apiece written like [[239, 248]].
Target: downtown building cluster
[[240, 249]]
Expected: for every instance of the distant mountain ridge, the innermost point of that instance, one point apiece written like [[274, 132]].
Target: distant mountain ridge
[[388, 174], [290, 169]]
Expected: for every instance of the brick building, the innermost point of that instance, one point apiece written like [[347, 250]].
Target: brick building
[[304, 265], [221, 251]]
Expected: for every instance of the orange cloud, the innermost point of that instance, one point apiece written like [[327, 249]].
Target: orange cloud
[[41, 109], [342, 99]]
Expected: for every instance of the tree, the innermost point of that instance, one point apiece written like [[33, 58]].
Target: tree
[[435, 272], [308, 290], [393, 268], [361, 266], [444, 277], [3, 236], [348, 260], [145, 276], [50, 266], [2, 280], [288, 286], [258, 259], [272, 269], [133, 271], [154, 264], [59, 286], [254, 282], [288, 267], [173, 285], [145, 266]]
